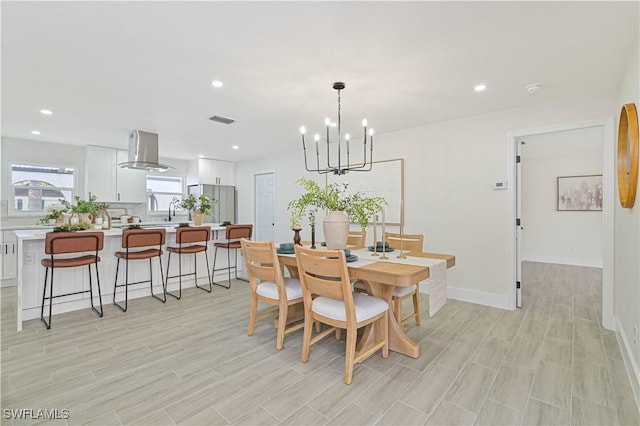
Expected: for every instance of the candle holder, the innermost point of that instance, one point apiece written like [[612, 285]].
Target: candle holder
[[375, 236], [296, 236], [384, 243], [313, 237]]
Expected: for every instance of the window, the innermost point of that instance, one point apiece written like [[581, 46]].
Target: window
[[160, 191], [36, 187]]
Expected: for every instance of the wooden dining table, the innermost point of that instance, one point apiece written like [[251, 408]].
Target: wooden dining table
[[382, 277]]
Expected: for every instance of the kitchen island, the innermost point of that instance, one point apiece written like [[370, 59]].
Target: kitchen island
[[31, 273]]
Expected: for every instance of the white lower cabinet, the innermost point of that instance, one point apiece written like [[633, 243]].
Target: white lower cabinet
[[9, 263]]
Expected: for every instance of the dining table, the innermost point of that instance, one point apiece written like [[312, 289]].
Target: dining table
[[381, 277]]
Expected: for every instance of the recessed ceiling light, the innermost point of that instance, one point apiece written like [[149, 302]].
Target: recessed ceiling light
[[216, 83], [480, 87], [46, 112], [200, 156], [235, 147], [35, 132]]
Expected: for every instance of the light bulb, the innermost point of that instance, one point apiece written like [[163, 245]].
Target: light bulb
[[327, 121], [316, 137], [303, 130], [347, 137], [370, 132], [364, 122]]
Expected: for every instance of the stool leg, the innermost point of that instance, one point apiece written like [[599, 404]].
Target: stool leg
[[99, 312], [195, 263], [99, 291], [50, 299], [123, 308], [167, 279], [44, 292], [236, 267], [164, 299], [229, 265], [215, 255]]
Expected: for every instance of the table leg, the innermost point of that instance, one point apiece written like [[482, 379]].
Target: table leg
[[398, 340]]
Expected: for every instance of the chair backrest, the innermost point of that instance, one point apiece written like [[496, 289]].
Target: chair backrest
[[235, 232], [193, 234], [262, 263], [143, 237], [409, 242], [73, 242], [325, 273], [357, 238]]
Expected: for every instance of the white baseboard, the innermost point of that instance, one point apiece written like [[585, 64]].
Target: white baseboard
[[575, 261], [632, 368], [473, 296]]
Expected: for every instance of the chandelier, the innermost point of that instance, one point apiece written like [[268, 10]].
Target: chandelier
[[341, 167]]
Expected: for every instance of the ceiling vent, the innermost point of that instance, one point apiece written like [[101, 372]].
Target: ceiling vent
[[222, 119]]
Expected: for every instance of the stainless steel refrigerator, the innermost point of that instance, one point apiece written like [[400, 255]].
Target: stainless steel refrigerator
[[224, 209]]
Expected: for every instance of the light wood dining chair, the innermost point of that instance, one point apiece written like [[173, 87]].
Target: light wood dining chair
[[328, 299], [357, 239], [268, 285], [406, 242]]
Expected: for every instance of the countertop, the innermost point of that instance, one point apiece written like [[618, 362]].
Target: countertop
[[114, 224], [38, 233]]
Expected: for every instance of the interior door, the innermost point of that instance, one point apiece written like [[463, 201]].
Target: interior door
[[264, 202], [519, 224]]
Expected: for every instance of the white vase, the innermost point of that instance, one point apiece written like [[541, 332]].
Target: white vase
[[336, 230]]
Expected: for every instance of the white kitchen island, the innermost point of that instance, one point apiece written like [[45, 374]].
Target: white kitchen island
[[68, 280]]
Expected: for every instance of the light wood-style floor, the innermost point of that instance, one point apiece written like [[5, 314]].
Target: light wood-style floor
[[191, 362]]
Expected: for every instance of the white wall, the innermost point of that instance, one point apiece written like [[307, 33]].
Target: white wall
[[450, 168], [549, 235], [627, 246]]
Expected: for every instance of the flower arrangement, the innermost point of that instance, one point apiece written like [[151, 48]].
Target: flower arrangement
[[201, 203], [54, 212], [357, 206]]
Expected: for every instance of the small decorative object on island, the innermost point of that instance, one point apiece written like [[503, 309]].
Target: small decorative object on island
[[199, 206], [341, 207], [55, 214], [84, 210]]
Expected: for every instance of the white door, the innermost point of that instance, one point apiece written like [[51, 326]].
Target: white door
[[519, 224], [264, 202]]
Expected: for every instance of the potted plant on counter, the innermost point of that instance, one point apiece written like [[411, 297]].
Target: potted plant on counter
[[55, 214], [84, 211], [200, 206], [342, 207]]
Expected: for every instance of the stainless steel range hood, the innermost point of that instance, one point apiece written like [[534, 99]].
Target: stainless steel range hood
[[143, 152]]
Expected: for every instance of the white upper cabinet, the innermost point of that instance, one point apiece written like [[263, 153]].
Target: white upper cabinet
[[212, 172], [110, 183]]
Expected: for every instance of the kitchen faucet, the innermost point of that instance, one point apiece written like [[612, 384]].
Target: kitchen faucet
[[174, 210]]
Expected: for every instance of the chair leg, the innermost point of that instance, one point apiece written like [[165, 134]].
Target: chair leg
[[349, 356], [416, 305], [195, 265], [385, 335], [99, 312], [306, 336], [252, 314], [164, 295], [180, 277], [213, 272], [282, 324], [126, 286], [44, 293]]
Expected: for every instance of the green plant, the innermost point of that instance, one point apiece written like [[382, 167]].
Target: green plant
[[84, 206], [201, 203], [54, 211], [358, 207]]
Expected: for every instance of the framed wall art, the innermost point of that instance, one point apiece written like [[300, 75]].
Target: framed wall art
[[580, 193]]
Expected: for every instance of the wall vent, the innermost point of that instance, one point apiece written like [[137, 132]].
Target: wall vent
[[222, 119]]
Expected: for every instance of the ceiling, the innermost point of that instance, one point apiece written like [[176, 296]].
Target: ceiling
[[105, 68]]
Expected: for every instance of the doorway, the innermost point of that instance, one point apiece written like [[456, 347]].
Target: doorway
[[519, 146], [264, 206]]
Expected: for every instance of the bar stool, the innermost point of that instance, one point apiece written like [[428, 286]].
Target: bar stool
[[64, 243], [137, 238], [233, 235], [190, 235]]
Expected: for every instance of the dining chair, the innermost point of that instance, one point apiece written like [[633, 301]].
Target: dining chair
[[66, 244], [328, 299], [233, 234], [268, 285], [406, 242], [190, 240], [148, 243], [357, 239]]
